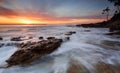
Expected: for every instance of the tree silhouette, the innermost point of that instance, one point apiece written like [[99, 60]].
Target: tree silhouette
[[106, 11], [116, 4]]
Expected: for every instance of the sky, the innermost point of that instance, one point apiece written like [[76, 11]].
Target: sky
[[52, 11]]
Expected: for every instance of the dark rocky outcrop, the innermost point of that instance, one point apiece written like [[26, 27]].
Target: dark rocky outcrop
[[16, 39], [33, 52], [1, 38], [49, 38], [94, 25], [25, 45], [114, 33], [41, 38], [113, 24]]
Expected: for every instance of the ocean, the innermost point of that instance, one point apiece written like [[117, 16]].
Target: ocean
[[88, 48]]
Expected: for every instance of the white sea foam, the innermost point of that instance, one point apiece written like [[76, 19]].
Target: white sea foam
[[84, 47]]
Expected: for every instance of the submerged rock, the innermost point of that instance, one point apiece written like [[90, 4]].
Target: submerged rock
[[33, 52], [87, 30], [76, 67], [16, 39], [106, 68], [10, 44], [70, 33], [66, 39], [1, 44]]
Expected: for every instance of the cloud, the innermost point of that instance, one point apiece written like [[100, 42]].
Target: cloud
[[6, 12]]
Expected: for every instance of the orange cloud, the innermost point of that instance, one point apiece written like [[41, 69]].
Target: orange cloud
[[7, 12], [25, 20], [8, 16]]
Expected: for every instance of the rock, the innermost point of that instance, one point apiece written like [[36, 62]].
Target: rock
[[1, 44], [70, 33], [1, 38], [30, 37], [10, 44], [40, 37], [50, 38], [104, 68], [115, 26], [76, 67], [66, 39], [110, 43], [114, 33], [27, 44], [16, 39], [93, 25], [114, 23], [87, 30], [33, 52]]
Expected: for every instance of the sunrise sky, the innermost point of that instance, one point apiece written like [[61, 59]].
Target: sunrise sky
[[51, 11]]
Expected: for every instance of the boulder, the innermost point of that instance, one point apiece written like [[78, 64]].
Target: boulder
[[33, 52], [41, 38], [50, 38], [1, 38], [30, 37]]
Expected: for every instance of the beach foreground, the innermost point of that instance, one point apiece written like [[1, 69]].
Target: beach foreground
[[88, 50]]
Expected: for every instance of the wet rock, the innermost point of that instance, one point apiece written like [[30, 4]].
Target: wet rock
[[22, 56], [1, 38], [105, 68], [66, 39], [1, 44], [114, 33], [30, 37], [70, 33], [76, 67], [50, 38], [34, 52], [10, 44], [16, 39], [25, 45], [111, 43], [41, 38], [87, 30]]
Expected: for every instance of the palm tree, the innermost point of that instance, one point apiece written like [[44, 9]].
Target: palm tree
[[106, 11], [116, 4]]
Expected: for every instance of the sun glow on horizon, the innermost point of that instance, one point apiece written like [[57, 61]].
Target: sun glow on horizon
[[25, 20]]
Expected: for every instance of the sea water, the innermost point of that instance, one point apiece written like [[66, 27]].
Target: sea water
[[88, 47]]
